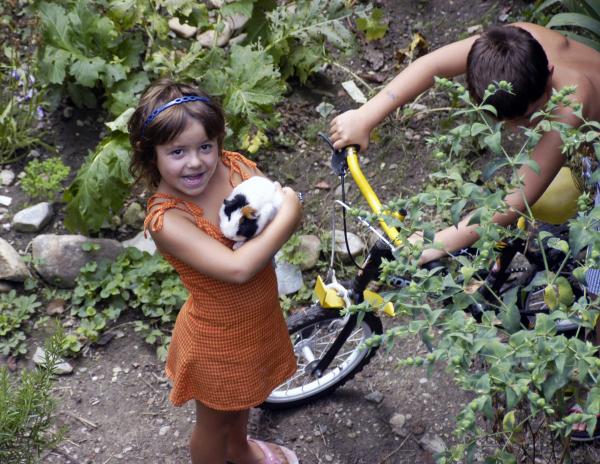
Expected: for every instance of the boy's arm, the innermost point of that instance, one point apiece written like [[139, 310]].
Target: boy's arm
[[179, 237], [354, 126], [547, 154]]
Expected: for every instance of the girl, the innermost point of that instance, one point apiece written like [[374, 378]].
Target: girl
[[230, 346]]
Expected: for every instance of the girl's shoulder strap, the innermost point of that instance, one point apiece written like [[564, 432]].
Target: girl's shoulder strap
[[239, 164], [159, 203]]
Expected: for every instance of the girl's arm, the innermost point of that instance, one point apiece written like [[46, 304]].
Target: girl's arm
[[179, 237], [354, 126]]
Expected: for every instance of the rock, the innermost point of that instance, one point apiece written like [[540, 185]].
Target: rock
[[237, 21], [62, 367], [34, 218], [212, 38], [475, 29], [6, 177], [134, 215], [310, 249], [183, 30], [12, 266], [5, 201], [289, 277], [374, 397], [432, 443], [55, 307], [5, 286], [58, 258], [397, 422], [357, 246], [141, 243], [163, 430]]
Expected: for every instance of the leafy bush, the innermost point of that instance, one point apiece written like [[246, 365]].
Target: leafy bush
[[581, 16], [43, 179], [27, 426], [135, 280], [522, 380], [20, 103], [15, 312], [84, 51], [288, 40]]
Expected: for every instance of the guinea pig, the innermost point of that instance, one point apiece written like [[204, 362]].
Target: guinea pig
[[250, 207]]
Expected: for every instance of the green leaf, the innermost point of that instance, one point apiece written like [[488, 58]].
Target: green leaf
[[54, 63], [87, 70], [374, 26], [456, 211], [494, 142], [101, 185]]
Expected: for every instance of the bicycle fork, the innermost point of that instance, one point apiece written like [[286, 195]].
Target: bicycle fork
[[369, 272]]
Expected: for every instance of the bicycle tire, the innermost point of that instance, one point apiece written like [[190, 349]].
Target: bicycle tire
[[309, 328]]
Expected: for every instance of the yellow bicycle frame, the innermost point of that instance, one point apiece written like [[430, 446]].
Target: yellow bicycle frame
[[370, 195], [328, 297]]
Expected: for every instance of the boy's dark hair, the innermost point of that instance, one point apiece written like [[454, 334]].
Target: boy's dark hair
[[510, 54], [168, 124]]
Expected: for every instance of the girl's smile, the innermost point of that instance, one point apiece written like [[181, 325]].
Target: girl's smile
[[188, 162]]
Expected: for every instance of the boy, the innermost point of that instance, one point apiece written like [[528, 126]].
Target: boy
[[534, 60]]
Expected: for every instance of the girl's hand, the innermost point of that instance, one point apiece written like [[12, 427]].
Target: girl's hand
[[349, 128]]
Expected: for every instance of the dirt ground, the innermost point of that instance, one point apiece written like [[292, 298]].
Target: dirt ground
[[115, 404]]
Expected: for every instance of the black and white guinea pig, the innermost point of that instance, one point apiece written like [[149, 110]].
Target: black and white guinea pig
[[250, 207]]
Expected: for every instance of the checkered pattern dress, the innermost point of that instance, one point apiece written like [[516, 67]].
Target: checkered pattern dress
[[230, 345]]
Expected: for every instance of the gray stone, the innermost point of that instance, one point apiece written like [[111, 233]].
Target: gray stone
[[34, 218], [212, 38], [6, 177], [310, 249], [357, 246], [134, 215], [432, 443], [397, 422], [5, 201], [183, 30], [62, 368], [237, 21], [58, 258], [374, 397], [289, 277], [12, 266], [141, 243], [5, 286]]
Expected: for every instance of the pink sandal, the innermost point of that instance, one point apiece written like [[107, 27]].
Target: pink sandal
[[270, 458]]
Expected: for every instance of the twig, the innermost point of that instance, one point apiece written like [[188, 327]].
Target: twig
[[109, 458], [322, 436], [385, 458], [150, 385], [81, 419]]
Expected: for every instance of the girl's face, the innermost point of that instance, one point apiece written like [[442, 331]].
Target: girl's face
[[188, 162]]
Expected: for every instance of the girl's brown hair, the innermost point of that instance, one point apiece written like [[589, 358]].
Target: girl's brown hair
[[168, 124]]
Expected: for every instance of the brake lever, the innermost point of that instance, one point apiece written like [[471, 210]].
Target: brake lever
[[339, 164]]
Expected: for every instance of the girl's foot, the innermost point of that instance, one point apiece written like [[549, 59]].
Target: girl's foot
[[269, 453]]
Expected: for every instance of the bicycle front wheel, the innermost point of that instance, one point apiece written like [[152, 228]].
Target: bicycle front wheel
[[312, 332]]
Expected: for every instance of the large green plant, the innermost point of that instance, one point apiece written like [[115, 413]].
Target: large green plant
[[289, 40], [580, 21], [21, 99], [27, 426], [522, 380]]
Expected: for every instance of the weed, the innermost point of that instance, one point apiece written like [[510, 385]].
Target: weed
[[43, 179]]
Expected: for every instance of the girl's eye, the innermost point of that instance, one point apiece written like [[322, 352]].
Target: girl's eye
[[177, 152], [206, 148]]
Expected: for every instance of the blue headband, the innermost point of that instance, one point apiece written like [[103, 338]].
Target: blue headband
[[177, 101]]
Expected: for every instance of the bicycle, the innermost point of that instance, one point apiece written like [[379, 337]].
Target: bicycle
[[330, 343]]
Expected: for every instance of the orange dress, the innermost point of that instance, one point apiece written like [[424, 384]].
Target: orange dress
[[230, 346]]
